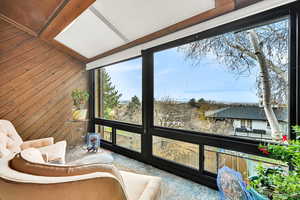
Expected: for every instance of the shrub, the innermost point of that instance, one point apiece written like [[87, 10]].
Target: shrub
[[276, 183]]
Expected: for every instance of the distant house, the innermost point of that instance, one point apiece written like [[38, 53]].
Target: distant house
[[250, 121]]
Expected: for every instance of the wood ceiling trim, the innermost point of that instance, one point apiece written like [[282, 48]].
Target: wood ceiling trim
[[66, 50], [54, 18], [30, 16], [222, 7], [68, 14], [54, 14], [19, 26]]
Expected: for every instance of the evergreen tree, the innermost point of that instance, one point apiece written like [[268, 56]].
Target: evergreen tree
[[134, 110], [134, 104], [201, 100], [192, 102], [111, 96]]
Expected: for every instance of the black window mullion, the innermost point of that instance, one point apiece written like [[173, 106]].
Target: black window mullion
[[147, 104], [91, 125], [297, 63], [201, 158], [114, 136], [138, 129], [293, 70]]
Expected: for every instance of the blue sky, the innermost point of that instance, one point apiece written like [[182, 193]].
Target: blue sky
[[177, 78], [127, 77]]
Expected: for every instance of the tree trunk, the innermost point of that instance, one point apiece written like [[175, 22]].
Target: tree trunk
[[266, 86]]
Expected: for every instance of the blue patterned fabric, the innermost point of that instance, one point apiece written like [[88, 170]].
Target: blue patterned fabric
[[256, 195], [231, 185], [93, 141]]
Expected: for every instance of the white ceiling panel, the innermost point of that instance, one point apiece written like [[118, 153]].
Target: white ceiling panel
[[89, 36], [137, 18]]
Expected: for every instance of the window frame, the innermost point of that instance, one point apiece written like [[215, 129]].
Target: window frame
[[114, 124], [148, 130], [94, 107]]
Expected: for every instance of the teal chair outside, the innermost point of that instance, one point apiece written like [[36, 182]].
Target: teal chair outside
[[256, 195]]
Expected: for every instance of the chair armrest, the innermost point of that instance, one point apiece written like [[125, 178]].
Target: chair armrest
[[152, 190], [37, 143], [92, 188]]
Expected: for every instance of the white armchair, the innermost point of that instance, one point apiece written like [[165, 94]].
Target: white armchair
[[11, 142], [23, 179]]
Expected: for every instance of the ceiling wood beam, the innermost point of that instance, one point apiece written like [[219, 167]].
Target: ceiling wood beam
[[31, 16], [222, 7], [44, 18], [68, 14]]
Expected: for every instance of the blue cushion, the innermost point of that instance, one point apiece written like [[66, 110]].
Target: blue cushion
[[231, 185]]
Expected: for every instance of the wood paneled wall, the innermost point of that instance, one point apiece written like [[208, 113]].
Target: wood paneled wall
[[36, 81]]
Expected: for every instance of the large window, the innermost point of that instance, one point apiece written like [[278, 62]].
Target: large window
[[234, 84], [209, 99], [118, 94]]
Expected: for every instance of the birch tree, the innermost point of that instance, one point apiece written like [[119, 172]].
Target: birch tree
[[263, 51]]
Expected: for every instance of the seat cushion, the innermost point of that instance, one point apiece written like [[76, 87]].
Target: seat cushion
[[55, 152], [103, 157], [140, 187]]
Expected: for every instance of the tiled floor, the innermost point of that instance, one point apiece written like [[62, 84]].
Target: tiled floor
[[174, 187]]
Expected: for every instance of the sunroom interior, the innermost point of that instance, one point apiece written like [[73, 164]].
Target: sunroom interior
[[145, 100]]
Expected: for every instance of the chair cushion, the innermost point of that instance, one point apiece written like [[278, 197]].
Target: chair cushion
[[32, 155], [55, 152], [10, 140], [37, 143]]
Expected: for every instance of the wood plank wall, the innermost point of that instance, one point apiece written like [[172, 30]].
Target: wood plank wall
[[36, 81]]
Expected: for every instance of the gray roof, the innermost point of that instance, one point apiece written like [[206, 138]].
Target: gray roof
[[246, 112]]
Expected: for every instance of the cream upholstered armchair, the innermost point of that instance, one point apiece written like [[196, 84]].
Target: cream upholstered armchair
[[11, 142], [21, 179], [26, 175]]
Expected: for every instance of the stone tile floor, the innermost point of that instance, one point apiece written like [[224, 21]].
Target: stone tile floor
[[174, 187]]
